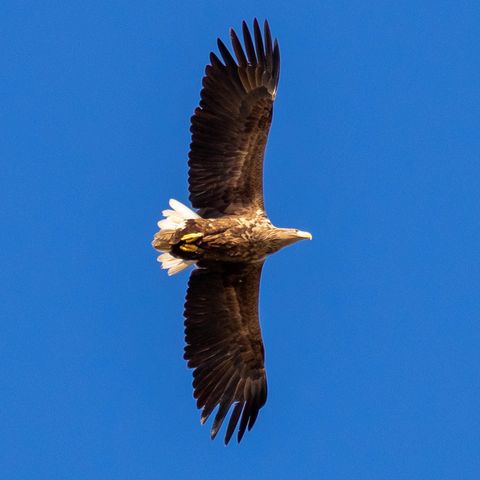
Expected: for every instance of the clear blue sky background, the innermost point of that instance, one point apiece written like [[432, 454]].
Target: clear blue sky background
[[372, 330]]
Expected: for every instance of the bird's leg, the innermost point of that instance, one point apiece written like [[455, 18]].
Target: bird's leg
[[187, 241], [188, 247], [191, 237]]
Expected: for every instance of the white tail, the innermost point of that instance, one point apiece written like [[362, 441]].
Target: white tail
[[176, 218], [173, 220]]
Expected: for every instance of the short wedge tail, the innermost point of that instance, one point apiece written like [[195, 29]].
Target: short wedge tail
[[174, 219]]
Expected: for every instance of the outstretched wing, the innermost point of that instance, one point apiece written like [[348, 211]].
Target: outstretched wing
[[224, 344], [230, 127]]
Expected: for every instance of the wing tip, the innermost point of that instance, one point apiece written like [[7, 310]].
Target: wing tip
[[265, 52]]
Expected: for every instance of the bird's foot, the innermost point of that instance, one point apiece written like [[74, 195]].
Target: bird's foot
[[191, 237]]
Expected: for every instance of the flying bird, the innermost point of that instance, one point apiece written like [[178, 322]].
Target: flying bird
[[229, 237]]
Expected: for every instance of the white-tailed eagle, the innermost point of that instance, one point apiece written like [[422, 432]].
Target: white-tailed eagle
[[230, 235]]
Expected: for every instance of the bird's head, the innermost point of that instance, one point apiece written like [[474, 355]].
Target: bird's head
[[301, 235], [282, 237]]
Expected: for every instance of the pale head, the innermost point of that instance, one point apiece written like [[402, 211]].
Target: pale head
[[282, 237]]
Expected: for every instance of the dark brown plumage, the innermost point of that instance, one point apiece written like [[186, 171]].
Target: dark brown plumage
[[230, 127], [230, 236], [224, 343]]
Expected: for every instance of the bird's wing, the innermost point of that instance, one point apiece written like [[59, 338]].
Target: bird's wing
[[230, 127], [224, 344]]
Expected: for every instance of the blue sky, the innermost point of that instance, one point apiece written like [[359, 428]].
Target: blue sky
[[371, 330]]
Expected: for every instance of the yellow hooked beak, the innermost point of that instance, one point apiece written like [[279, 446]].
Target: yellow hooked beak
[[306, 235]]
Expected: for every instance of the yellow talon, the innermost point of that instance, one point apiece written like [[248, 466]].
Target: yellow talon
[[191, 237], [188, 247]]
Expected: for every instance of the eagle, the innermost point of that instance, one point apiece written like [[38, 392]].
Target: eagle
[[229, 236]]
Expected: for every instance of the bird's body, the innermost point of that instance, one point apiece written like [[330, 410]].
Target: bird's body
[[230, 236]]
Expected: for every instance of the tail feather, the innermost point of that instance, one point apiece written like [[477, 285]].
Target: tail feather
[[182, 210], [174, 219], [173, 264]]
